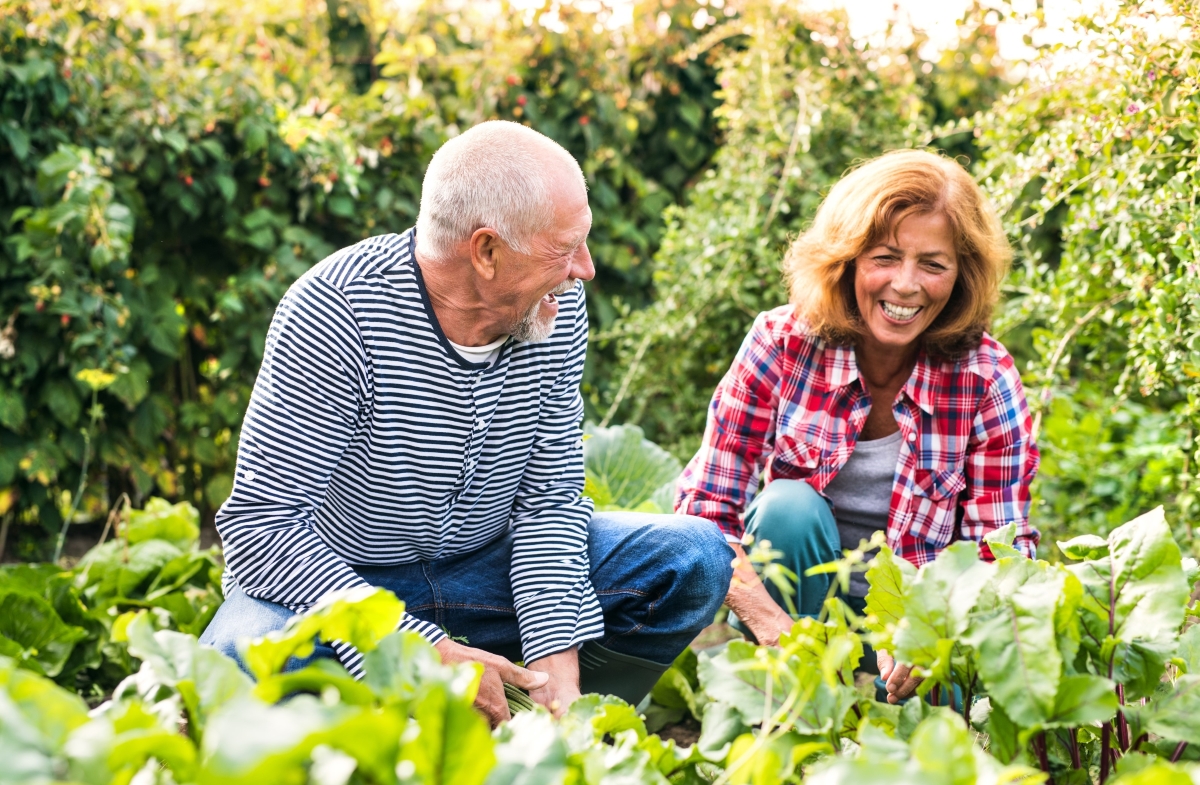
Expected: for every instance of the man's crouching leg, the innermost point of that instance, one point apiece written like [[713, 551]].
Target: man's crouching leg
[[242, 618], [660, 580]]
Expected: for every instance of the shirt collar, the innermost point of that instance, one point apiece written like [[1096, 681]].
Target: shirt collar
[[841, 369]]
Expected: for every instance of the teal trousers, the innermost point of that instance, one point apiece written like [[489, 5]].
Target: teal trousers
[[798, 523]]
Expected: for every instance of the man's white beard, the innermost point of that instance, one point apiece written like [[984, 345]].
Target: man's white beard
[[533, 327]]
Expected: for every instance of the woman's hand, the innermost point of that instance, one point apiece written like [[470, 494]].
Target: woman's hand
[[748, 598], [900, 681]]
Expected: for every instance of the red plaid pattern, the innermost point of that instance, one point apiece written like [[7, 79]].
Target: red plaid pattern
[[794, 404]]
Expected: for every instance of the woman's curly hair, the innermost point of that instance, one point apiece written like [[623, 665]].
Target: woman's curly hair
[[862, 210]]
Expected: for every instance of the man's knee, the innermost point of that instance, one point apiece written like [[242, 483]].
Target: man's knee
[[242, 617], [700, 550]]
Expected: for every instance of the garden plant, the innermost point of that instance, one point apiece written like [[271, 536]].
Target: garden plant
[[167, 170]]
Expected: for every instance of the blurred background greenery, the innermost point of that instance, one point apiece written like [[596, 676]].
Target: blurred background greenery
[[168, 168]]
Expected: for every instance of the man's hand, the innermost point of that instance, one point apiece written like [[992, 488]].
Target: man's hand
[[900, 681], [562, 688], [497, 672], [748, 598]]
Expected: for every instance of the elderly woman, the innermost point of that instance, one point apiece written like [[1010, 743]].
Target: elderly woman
[[892, 290]]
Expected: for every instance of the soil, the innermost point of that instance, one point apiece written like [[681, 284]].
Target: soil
[[684, 733]]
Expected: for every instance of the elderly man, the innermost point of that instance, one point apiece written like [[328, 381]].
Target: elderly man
[[415, 426]]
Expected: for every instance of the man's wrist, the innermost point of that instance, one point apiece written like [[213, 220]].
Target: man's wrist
[[562, 665]]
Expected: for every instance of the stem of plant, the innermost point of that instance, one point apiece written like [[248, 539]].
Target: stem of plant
[[1122, 723], [1073, 746], [87, 454], [1178, 753], [1105, 740], [1039, 745]]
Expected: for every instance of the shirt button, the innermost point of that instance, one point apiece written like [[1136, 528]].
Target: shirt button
[[912, 437], [479, 424]]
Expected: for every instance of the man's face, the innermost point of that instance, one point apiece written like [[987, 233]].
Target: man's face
[[558, 258]]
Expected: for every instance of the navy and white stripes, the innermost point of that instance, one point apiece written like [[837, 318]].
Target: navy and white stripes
[[369, 440]]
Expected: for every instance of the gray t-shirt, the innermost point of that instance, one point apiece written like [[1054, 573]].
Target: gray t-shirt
[[862, 495]]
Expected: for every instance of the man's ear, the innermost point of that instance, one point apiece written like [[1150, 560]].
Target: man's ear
[[486, 247]]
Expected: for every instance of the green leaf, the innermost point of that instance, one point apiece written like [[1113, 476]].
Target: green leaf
[[18, 140], [629, 466], [205, 679], [1086, 546], [722, 723], [1173, 712], [36, 719], [12, 409], [449, 725], [315, 679], [530, 750], [226, 185], [133, 386], [62, 399], [888, 578], [28, 620], [593, 717], [401, 662], [677, 688], [937, 605], [1019, 658], [1133, 603], [1188, 655], [1083, 699], [112, 571], [178, 524], [360, 617], [250, 743]]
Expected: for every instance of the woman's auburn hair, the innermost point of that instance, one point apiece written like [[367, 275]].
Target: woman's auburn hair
[[862, 210]]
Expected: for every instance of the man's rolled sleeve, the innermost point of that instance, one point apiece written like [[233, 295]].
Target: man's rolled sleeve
[[556, 605]]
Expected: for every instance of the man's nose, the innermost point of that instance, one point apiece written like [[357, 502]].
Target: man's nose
[[581, 264]]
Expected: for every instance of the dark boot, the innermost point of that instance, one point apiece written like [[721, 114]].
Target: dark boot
[[607, 672]]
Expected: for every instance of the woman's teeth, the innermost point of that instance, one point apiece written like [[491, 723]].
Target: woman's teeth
[[900, 312]]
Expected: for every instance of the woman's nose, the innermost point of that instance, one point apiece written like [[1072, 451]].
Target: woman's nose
[[906, 281]]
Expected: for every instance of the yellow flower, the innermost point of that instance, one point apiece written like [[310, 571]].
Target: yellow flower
[[96, 378]]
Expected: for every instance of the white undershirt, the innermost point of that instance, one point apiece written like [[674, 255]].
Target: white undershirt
[[480, 354]]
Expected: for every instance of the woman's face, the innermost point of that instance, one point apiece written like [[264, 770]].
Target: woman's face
[[902, 284]]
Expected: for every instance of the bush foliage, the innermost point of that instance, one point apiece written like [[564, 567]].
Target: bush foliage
[[167, 170]]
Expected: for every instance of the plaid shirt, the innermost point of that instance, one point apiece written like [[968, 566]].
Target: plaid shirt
[[797, 405]]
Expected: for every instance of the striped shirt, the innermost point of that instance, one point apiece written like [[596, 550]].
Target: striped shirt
[[369, 440]]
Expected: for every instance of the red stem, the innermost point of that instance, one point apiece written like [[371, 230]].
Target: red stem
[[1178, 753], [1039, 745], [1105, 740], [1076, 762]]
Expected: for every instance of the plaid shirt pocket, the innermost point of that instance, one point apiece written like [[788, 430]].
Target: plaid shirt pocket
[[934, 504]]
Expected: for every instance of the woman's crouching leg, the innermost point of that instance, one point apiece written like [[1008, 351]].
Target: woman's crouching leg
[[799, 524]]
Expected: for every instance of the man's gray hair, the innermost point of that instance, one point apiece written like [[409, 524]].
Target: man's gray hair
[[496, 175]]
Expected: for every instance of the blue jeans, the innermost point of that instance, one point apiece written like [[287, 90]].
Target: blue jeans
[[660, 580]]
